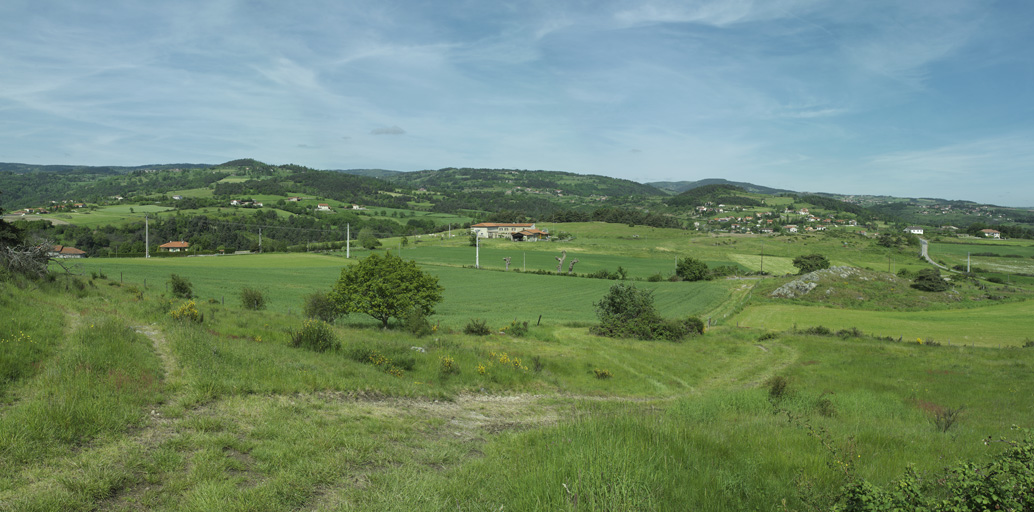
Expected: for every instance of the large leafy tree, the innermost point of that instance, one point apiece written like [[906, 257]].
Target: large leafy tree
[[385, 287], [691, 269], [810, 263]]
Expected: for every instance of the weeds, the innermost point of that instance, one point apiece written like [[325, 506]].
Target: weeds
[[945, 418], [602, 374]]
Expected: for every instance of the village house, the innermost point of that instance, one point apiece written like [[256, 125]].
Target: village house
[[174, 246], [323, 207], [915, 230], [499, 230], [64, 252], [790, 228], [991, 233], [529, 235]]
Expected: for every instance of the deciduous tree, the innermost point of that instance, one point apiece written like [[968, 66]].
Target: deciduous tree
[[385, 287]]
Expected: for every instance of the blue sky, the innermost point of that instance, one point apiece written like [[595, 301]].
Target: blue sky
[[905, 98]]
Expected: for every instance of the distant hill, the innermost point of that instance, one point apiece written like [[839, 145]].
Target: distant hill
[[87, 169], [717, 193], [543, 182], [677, 187], [383, 174]]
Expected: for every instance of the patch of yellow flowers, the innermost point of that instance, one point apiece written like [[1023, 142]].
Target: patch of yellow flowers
[[503, 359], [20, 338], [188, 311]]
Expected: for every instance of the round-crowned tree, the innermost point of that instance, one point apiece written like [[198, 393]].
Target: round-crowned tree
[[691, 269], [810, 263], [385, 287]]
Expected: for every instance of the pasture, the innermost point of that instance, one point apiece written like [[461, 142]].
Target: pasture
[[227, 415], [492, 295], [104, 215]]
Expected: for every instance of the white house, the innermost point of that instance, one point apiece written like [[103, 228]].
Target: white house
[[991, 233], [323, 207], [498, 230], [915, 230]]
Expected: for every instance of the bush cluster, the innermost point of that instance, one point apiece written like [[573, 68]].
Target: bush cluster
[[181, 287], [315, 335], [252, 299], [188, 311], [629, 312], [477, 327], [319, 305]]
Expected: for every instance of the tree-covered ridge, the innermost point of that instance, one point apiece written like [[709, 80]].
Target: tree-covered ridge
[[35, 189], [836, 205], [714, 194], [678, 187], [532, 182]]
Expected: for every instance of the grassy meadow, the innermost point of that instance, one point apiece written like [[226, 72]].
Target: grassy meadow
[[108, 402]]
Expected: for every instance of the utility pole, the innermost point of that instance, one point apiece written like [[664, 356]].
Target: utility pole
[[762, 256], [967, 262], [147, 238], [260, 240], [348, 241], [477, 252]]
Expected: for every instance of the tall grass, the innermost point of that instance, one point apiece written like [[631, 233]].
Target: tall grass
[[97, 383]]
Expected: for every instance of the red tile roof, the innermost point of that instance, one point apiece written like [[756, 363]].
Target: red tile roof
[[175, 245], [64, 249]]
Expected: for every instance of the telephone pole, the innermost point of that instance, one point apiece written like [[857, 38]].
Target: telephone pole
[[147, 238]]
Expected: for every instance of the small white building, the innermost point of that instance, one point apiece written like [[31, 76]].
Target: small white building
[[915, 230]]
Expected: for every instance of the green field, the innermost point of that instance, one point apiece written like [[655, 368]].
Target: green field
[[104, 215], [492, 295], [1006, 324], [110, 403]]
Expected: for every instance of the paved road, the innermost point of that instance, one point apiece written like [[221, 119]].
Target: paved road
[[924, 253]]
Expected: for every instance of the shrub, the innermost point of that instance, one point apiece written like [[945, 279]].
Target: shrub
[[818, 330], [853, 332], [252, 299], [602, 374], [626, 311], [187, 312], [518, 329], [930, 280], [825, 405], [778, 386], [315, 335], [447, 366], [416, 322], [477, 327], [181, 287], [768, 336], [655, 278], [318, 305]]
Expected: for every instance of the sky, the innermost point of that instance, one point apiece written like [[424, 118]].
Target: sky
[[907, 98]]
